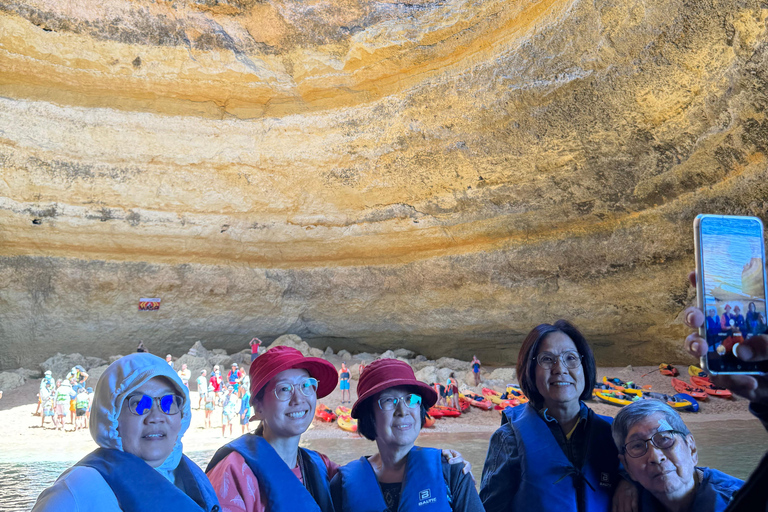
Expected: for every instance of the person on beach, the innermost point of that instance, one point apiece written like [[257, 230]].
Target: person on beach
[[255, 343], [344, 383], [475, 364], [202, 388], [63, 398], [391, 410], [245, 409], [234, 377], [81, 408], [47, 384], [267, 471], [753, 496], [229, 408], [452, 390], [90, 406], [169, 360], [442, 394], [185, 375], [554, 453], [360, 369], [659, 452], [210, 402], [140, 414], [48, 398], [141, 348], [216, 381]]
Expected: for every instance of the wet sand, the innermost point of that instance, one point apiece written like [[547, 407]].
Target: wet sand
[[23, 439]]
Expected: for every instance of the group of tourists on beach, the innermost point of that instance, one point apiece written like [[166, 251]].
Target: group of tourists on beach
[[67, 396], [552, 453]]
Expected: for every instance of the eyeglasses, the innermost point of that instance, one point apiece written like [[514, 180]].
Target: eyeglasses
[[389, 403], [662, 440], [284, 390], [141, 404], [569, 359]]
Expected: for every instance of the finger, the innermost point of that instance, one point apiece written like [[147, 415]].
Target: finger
[[692, 278], [753, 349], [693, 317], [696, 345]]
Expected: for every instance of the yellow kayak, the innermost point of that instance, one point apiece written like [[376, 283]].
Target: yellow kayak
[[695, 371], [613, 397], [347, 423]]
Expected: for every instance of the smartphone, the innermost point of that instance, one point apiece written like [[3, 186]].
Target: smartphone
[[731, 288]]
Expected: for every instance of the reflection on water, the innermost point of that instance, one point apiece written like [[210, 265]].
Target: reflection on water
[[734, 447]]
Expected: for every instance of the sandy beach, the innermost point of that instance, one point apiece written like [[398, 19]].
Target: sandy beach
[[25, 441]]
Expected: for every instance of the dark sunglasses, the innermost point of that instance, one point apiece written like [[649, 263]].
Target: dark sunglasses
[[142, 404]]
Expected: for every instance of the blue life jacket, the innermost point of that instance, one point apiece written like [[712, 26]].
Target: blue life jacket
[[138, 487], [424, 487], [549, 480], [713, 495], [283, 492]]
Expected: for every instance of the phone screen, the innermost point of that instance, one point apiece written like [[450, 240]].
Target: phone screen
[[733, 280]]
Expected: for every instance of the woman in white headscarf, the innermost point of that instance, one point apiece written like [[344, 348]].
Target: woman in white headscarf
[[140, 412]]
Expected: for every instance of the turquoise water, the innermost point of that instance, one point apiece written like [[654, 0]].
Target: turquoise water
[[734, 447]]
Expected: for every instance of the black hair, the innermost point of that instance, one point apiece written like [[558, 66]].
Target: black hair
[[526, 364], [366, 424]]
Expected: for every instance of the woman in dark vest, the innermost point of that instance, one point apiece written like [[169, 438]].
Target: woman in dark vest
[[391, 410], [139, 414], [553, 453]]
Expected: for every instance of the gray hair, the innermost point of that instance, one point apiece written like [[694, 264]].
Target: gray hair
[[638, 411]]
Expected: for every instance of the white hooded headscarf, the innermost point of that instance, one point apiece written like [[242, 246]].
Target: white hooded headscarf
[[119, 380]]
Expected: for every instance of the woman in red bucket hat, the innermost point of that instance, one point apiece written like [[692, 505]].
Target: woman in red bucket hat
[[391, 409], [266, 471]]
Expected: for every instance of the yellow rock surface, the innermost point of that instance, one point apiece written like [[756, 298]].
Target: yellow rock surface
[[437, 175]]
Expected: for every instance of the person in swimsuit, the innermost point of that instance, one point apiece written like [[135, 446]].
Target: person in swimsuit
[[344, 383]]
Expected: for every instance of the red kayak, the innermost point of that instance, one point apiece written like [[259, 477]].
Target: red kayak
[[441, 411], [463, 405], [683, 387], [668, 369], [711, 389], [429, 421], [478, 401]]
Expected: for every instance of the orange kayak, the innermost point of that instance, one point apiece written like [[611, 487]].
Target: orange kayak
[[324, 413], [711, 389], [668, 369], [683, 387], [429, 421], [441, 411], [477, 401]]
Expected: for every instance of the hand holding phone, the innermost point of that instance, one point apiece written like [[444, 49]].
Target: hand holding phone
[[731, 290]]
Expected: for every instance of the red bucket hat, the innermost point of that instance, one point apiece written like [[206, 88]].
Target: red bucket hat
[[278, 359], [389, 373]]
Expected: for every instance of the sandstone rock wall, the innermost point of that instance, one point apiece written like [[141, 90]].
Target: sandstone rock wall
[[368, 174]]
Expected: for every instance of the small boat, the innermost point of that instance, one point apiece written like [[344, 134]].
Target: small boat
[[463, 405], [442, 411], [346, 422], [614, 397], [626, 387], [674, 402], [683, 387], [429, 421], [668, 369], [514, 393], [695, 371], [694, 407], [506, 403], [324, 413], [476, 400], [711, 389], [343, 411], [492, 395]]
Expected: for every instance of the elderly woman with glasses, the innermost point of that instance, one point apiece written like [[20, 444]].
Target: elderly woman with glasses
[[139, 414], [391, 410], [554, 453], [659, 452]]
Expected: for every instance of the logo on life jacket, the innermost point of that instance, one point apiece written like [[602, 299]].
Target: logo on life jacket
[[425, 497], [605, 480]]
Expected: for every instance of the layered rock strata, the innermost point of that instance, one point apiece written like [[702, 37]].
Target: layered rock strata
[[439, 176]]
